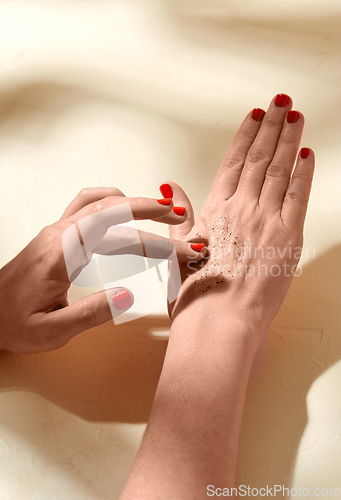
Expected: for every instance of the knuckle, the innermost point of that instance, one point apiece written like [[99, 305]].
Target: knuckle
[[98, 206], [258, 156], [246, 135], [84, 192], [288, 140], [270, 123], [296, 196], [234, 162], [88, 314], [46, 231], [302, 176], [48, 234], [274, 170]]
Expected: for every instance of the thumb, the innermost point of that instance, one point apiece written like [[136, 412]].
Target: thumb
[[180, 198], [119, 300], [90, 311]]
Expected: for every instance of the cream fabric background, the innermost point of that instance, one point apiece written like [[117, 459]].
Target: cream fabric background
[[132, 94]]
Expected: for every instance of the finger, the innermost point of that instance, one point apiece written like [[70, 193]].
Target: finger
[[127, 240], [174, 218], [89, 312], [80, 238], [227, 179], [140, 208], [181, 200], [264, 146], [179, 214], [278, 173], [89, 195], [95, 219], [296, 199]]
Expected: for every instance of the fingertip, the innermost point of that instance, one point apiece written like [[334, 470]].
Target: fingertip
[[166, 206], [165, 201], [197, 247], [293, 116], [282, 100], [196, 257], [197, 251], [182, 214], [120, 300], [180, 211], [258, 114], [189, 252], [307, 153], [166, 190]]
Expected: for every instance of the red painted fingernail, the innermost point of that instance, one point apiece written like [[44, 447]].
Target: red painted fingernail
[[197, 247], [122, 300], [179, 210], [165, 201], [258, 114], [166, 190], [282, 100], [293, 116], [305, 152]]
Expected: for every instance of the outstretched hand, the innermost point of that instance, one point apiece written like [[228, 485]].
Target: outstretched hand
[[252, 220]]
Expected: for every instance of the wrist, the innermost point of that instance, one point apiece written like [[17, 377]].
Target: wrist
[[217, 316]]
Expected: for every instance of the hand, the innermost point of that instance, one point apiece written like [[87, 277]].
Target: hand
[[35, 315], [252, 220]]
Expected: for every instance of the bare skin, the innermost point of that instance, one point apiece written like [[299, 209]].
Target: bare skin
[[35, 314], [258, 200]]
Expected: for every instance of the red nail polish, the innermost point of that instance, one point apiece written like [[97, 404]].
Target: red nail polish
[[165, 201], [258, 114], [282, 100], [293, 116], [305, 152], [197, 247], [179, 210], [122, 300], [166, 190]]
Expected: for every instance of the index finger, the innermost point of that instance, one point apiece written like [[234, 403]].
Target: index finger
[[227, 179], [91, 224], [87, 196]]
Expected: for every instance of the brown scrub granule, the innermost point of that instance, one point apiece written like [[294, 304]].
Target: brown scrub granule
[[225, 249]]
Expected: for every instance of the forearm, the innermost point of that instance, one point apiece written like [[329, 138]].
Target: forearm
[[192, 436]]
